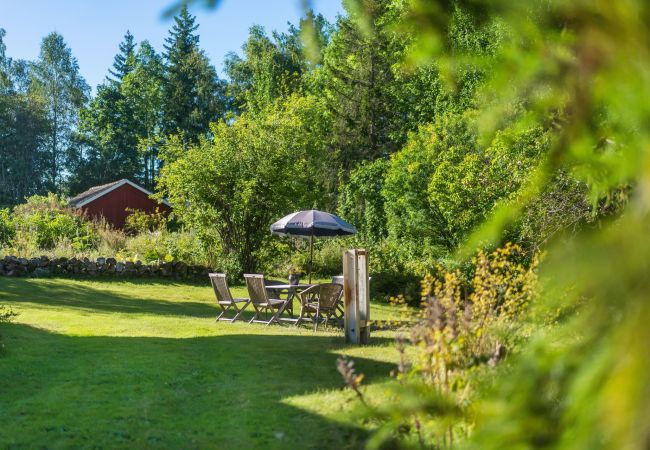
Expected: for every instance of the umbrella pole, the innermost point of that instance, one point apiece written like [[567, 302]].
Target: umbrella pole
[[311, 254]]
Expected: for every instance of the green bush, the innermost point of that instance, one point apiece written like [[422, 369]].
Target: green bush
[[162, 245], [396, 267], [111, 241], [7, 227], [139, 221], [252, 172], [328, 257], [361, 201], [46, 225], [48, 219], [328, 260], [188, 247], [147, 247], [464, 326], [415, 210]]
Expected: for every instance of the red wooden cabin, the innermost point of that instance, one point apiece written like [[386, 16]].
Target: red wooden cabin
[[112, 200]]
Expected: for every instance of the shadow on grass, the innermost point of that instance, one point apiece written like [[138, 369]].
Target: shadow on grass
[[77, 295], [140, 392]]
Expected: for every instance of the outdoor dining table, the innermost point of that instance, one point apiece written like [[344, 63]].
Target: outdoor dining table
[[290, 290]]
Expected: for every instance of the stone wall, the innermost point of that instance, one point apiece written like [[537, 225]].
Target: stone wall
[[12, 266]]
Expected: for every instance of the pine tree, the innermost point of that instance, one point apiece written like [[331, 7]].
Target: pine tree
[[358, 79], [119, 129], [143, 90], [124, 62], [182, 40], [193, 94]]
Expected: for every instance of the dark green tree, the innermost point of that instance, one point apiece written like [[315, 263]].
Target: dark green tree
[[143, 90], [5, 63], [358, 76], [361, 201], [123, 117], [107, 140], [124, 62], [193, 94]]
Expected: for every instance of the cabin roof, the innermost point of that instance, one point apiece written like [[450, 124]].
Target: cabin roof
[[96, 192]]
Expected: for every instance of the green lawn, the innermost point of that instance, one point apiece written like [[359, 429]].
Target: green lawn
[[143, 364]]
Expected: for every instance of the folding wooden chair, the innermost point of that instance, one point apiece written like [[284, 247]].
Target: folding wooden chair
[[280, 293], [261, 301], [320, 301], [225, 299]]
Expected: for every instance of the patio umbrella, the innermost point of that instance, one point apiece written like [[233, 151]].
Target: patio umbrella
[[310, 224]]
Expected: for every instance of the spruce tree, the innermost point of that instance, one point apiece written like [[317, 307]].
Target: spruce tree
[[119, 129], [193, 94], [124, 62], [143, 90], [182, 39], [358, 79]]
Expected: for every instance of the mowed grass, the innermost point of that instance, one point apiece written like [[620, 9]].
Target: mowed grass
[[143, 364]]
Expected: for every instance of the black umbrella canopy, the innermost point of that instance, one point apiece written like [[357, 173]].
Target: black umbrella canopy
[[312, 223]]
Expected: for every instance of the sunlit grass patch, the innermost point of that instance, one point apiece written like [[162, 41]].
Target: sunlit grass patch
[[142, 364]]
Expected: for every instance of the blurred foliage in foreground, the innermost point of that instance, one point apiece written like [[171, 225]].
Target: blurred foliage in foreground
[[581, 71], [467, 324]]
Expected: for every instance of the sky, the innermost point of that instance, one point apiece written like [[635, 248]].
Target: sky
[[93, 29]]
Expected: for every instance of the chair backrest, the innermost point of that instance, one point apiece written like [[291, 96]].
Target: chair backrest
[[256, 288], [220, 286], [329, 294]]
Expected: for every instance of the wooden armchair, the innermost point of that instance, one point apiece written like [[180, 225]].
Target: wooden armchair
[[320, 301]]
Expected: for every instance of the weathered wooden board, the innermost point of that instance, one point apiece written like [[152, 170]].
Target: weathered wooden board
[[356, 294]]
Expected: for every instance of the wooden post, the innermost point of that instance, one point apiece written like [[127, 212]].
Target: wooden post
[[357, 300]]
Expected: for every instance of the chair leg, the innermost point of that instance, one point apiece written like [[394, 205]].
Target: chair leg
[[276, 316], [289, 306], [223, 311], [234, 306], [300, 316], [328, 314], [307, 315], [263, 310], [339, 314], [256, 315], [273, 315], [317, 318], [240, 311]]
